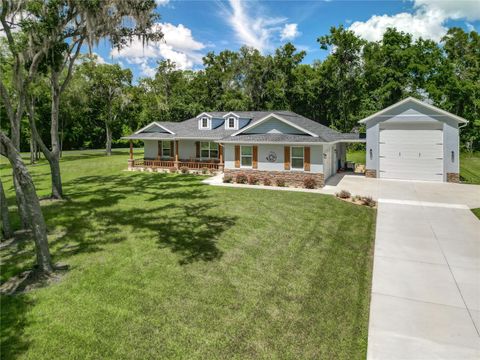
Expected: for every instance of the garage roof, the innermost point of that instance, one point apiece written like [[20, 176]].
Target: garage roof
[[415, 101]]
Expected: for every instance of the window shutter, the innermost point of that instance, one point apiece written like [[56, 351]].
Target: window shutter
[[306, 160], [237, 156], [286, 157], [197, 149], [159, 149], [254, 156], [172, 148]]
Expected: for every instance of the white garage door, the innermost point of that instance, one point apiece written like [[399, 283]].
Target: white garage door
[[411, 154]]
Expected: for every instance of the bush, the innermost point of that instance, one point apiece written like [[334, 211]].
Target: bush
[[280, 182], [204, 170], [184, 170], [367, 200], [344, 194], [227, 179], [267, 181], [309, 183], [252, 180], [173, 170], [241, 178]]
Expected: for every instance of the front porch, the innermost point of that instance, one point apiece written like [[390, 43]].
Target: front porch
[[165, 162]]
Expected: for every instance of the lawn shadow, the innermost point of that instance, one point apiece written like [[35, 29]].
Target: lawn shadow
[[14, 321], [185, 220], [98, 213]]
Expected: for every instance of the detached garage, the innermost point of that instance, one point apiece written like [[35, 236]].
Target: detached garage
[[412, 140]]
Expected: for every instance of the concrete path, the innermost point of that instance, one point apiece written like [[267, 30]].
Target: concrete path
[[426, 282]]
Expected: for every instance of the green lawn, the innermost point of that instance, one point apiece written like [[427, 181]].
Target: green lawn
[[470, 168], [162, 266], [476, 212], [469, 165], [357, 156]]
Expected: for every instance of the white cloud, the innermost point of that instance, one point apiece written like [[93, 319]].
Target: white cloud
[[427, 20], [289, 32], [453, 9], [178, 46], [253, 30], [162, 2]]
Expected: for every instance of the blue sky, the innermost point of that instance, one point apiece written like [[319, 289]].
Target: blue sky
[[193, 28]]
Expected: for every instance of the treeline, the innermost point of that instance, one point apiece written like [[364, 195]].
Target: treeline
[[355, 79], [101, 103]]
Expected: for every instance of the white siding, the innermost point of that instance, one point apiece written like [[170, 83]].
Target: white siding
[[372, 145], [316, 157], [151, 149], [274, 126], [186, 149], [451, 143]]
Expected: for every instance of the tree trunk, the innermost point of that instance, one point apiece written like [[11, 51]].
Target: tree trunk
[[109, 139], [37, 222], [54, 161], [53, 156], [21, 203], [33, 150], [6, 228]]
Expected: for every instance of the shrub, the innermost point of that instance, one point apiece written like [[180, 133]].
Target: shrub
[[356, 198], [309, 183], [184, 170], [241, 178], [252, 180], [280, 182], [267, 181], [173, 170], [367, 200], [204, 170], [344, 194], [227, 179]]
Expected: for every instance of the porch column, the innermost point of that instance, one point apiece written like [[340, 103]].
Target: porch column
[[176, 154], [131, 162], [220, 152]]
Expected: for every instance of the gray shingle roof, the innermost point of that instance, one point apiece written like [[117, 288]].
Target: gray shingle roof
[[188, 129]]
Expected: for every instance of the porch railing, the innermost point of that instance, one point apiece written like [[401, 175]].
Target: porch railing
[[198, 165], [168, 164]]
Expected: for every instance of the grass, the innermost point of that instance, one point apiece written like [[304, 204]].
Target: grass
[[357, 156], [469, 165], [470, 168], [476, 212], [163, 266]]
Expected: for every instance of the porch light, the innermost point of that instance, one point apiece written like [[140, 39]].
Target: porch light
[[453, 156], [324, 155], [371, 154]]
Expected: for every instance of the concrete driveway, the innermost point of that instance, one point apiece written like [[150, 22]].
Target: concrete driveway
[[425, 191], [426, 279]]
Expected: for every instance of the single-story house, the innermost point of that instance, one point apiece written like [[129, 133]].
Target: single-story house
[[408, 140], [413, 140], [265, 143]]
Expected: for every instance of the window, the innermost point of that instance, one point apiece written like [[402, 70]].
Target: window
[[231, 123], [204, 123], [297, 157], [209, 150], [166, 150], [246, 156]]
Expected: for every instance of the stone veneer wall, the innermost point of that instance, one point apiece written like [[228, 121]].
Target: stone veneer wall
[[453, 177], [369, 173], [292, 178]]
